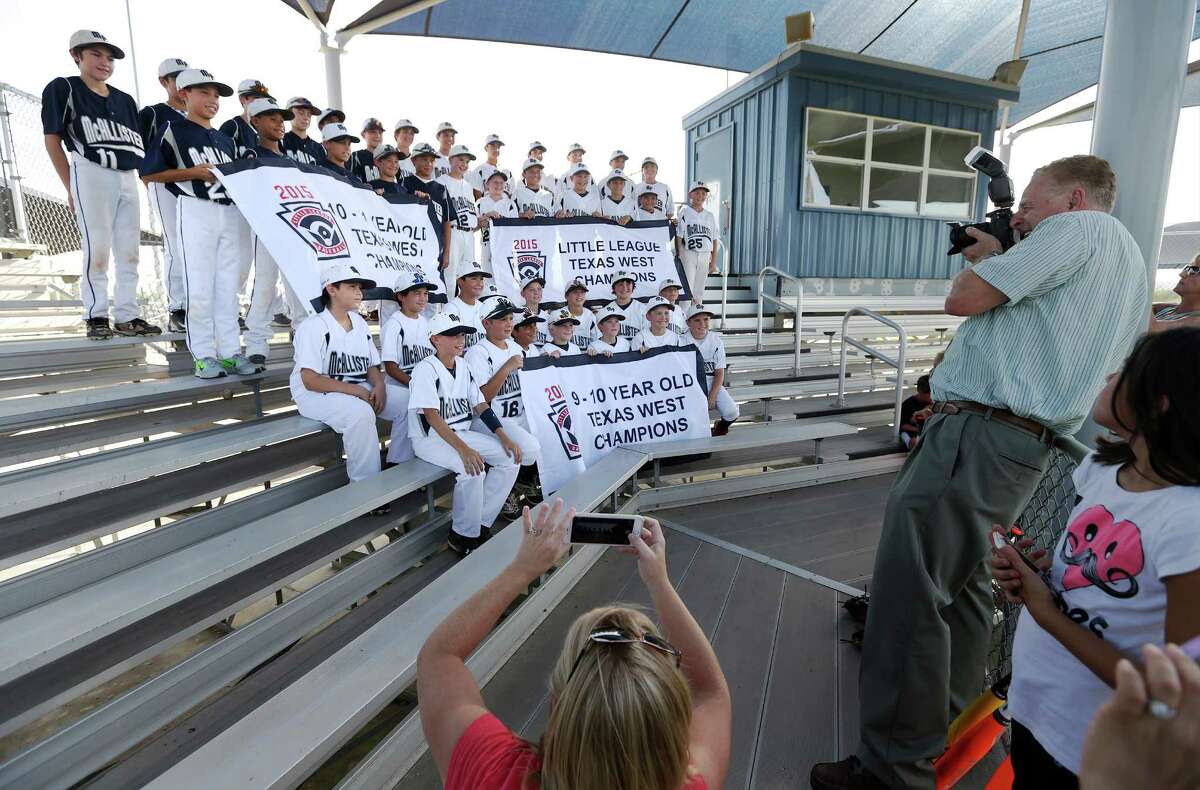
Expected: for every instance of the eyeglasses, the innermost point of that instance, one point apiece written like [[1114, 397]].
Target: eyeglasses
[[618, 636]]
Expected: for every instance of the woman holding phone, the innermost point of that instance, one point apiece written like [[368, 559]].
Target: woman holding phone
[[631, 708]]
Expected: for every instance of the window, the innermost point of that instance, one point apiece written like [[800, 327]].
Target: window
[[882, 165]]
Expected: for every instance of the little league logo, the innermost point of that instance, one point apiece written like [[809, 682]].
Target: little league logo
[[560, 418], [528, 263], [318, 228]]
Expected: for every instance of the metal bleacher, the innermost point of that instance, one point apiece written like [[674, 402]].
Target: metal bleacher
[[203, 601]]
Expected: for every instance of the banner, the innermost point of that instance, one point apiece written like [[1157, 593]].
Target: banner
[[587, 248], [580, 408], [307, 217]]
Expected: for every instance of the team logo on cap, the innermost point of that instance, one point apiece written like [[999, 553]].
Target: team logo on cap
[[527, 260], [317, 227], [560, 418]]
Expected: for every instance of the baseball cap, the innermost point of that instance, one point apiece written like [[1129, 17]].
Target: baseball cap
[[449, 324], [525, 281], [190, 78], [669, 282], [493, 138], [336, 131], [698, 185], [576, 147], [422, 149], [406, 281], [253, 86], [699, 309], [468, 268], [171, 66], [564, 316], [649, 161], [608, 311], [90, 38], [646, 189], [331, 115], [499, 171], [372, 123], [386, 149], [531, 163], [618, 154], [404, 123], [303, 103], [445, 126], [344, 273], [577, 169], [460, 150], [502, 309], [529, 318], [617, 173], [267, 104], [657, 301], [623, 274], [574, 285], [536, 145]]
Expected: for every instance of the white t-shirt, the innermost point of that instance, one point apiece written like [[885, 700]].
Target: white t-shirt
[[647, 339], [455, 394], [616, 347], [616, 209], [570, 351], [712, 351], [405, 340], [635, 317], [541, 202], [323, 346], [577, 205], [462, 202], [697, 229], [478, 176], [1109, 566], [441, 166], [485, 358], [663, 201], [469, 314], [505, 207], [648, 216]]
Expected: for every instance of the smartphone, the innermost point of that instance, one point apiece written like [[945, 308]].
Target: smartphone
[[608, 529], [999, 542]]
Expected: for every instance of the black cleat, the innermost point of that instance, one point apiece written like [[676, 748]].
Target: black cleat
[[258, 359], [98, 328], [177, 322], [461, 544], [136, 327], [281, 321], [512, 506]]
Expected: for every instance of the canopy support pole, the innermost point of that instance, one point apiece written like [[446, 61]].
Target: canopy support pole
[[1006, 145], [333, 74]]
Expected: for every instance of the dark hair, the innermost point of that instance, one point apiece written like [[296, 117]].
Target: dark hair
[[923, 385], [1158, 388]]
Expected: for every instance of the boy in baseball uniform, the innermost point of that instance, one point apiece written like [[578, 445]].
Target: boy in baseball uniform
[[696, 239], [423, 184], [462, 206], [562, 328], [162, 202], [531, 291], [445, 136], [444, 401], [646, 212], [564, 183], [336, 377], [615, 201], [712, 351], [212, 233], [669, 289], [608, 326], [403, 134], [387, 165], [623, 284], [662, 192], [657, 333], [238, 128], [94, 140], [362, 161], [336, 139], [297, 143], [525, 333], [479, 174], [579, 200], [495, 204], [576, 294], [470, 285], [405, 342], [616, 161], [533, 199]]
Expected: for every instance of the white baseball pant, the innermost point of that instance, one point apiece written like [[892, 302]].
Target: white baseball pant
[[477, 498], [400, 448], [531, 451], [695, 269], [264, 298], [354, 419], [166, 206], [109, 220], [462, 248], [210, 239], [726, 406]]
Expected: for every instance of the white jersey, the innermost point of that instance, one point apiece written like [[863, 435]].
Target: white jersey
[[405, 340], [678, 322], [406, 169], [541, 202], [441, 166], [619, 345], [323, 346], [635, 317], [478, 176], [697, 229], [569, 351], [712, 351], [577, 205], [461, 198], [648, 216], [455, 394], [614, 209], [583, 334], [647, 339], [485, 359], [505, 207], [469, 314], [662, 194]]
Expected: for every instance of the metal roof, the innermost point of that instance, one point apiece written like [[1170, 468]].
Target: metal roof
[[1063, 38], [321, 8]]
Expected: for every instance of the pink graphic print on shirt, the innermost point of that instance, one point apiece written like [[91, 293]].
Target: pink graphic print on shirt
[[1103, 552]]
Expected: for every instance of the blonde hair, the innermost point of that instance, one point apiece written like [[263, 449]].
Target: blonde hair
[[621, 721], [1090, 172]]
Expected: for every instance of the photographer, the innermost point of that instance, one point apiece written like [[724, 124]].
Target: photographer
[[1047, 320]]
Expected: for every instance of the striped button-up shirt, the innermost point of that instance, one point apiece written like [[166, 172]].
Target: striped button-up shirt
[[1077, 300]]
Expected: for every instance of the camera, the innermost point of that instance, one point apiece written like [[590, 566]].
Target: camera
[[1000, 192]]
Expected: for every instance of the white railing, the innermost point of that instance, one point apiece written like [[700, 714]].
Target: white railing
[[897, 363], [797, 309]]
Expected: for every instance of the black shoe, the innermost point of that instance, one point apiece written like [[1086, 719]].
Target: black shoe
[[382, 510], [98, 328], [258, 359], [136, 327], [512, 506], [241, 323], [848, 774], [177, 321], [281, 321], [485, 534], [721, 428], [460, 544]]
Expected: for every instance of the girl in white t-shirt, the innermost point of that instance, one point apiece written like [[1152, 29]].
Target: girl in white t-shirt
[[657, 332], [1126, 570]]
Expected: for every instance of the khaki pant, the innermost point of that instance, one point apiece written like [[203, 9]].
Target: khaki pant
[[928, 627]]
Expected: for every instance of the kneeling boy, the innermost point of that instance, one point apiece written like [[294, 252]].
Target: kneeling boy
[[712, 351]]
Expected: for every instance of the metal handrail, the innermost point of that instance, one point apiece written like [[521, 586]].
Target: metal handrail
[[797, 308], [897, 363]]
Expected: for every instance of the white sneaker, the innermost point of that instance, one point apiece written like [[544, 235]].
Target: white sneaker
[[242, 366], [209, 368]]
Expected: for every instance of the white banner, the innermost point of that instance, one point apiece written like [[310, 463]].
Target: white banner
[[580, 408], [308, 217], [591, 249]]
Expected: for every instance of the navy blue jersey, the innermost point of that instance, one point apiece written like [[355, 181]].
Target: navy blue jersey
[[338, 170], [242, 133], [181, 144], [388, 187], [259, 152], [304, 150], [153, 116], [102, 129], [362, 164], [439, 204]]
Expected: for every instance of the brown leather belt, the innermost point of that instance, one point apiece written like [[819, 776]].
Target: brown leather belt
[[1025, 424]]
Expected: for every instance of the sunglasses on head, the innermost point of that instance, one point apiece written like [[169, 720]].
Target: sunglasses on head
[[1188, 271], [619, 636]]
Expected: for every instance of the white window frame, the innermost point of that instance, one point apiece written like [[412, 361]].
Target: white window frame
[[867, 163]]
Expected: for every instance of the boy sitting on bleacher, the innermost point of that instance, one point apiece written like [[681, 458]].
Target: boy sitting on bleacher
[[405, 342], [912, 413]]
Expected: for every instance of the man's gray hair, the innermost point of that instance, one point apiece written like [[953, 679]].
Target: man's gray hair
[[1092, 173]]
